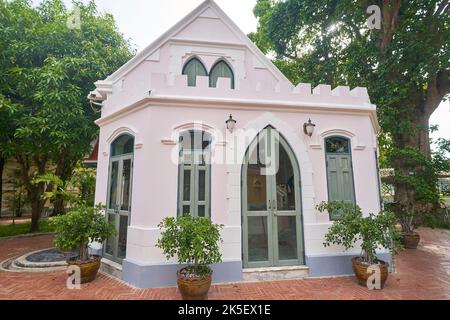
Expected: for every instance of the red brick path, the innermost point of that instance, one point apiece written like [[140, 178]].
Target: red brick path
[[420, 274]]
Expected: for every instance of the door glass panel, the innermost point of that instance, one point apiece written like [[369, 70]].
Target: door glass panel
[[113, 185], [201, 185], [257, 239], [285, 181], [122, 237], [287, 237], [256, 189], [201, 210], [256, 180], [186, 185], [126, 185], [110, 241]]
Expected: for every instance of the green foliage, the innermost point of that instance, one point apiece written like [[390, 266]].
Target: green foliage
[[17, 196], [407, 217], [194, 240], [438, 219], [79, 190], [46, 73], [84, 180], [405, 66], [78, 227], [20, 228], [374, 231]]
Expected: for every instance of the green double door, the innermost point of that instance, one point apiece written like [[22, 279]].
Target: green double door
[[272, 224]]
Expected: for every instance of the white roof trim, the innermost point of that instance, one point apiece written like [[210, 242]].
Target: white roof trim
[[141, 56]]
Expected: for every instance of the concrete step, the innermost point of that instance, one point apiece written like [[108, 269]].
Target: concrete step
[[275, 273]]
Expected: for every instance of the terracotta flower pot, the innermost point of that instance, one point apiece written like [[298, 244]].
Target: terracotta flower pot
[[410, 239], [88, 269], [194, 288], [360, 270]]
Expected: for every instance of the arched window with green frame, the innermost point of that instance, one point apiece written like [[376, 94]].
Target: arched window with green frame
[[339, 171], [223, 70], [194, 177], [193, 68], [118, 203]]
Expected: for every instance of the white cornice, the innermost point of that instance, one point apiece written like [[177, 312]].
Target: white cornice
[[243, 104]]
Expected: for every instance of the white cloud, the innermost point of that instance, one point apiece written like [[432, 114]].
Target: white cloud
[[143, 21]]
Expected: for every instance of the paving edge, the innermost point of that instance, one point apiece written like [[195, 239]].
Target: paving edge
[[26, 235]]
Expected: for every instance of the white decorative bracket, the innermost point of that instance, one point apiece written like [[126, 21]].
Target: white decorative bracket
[[168, 142]]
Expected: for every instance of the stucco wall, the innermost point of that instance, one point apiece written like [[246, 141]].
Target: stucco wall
[[149, 98], [155, 174]]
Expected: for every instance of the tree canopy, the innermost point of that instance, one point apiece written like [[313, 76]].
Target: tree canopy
[[47, 69], [405, 64]]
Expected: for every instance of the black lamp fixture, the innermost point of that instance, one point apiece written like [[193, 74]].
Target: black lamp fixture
[[308, 128], [231, 123]]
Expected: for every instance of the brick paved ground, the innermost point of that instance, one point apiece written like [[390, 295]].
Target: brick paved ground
[[420, 274]]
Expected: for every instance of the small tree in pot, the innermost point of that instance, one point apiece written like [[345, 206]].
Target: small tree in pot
[[374, 231], [195, 242], [409, 220], [75, 230]]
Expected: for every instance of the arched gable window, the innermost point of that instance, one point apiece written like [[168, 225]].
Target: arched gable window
[[192, 69], [118, 206], [194, 182], [223, 70], [339, 171]]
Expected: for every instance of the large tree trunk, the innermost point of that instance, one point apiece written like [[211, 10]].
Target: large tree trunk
[[35, 191], [418, 139], [36, 209], [58, 205], [2, 165]]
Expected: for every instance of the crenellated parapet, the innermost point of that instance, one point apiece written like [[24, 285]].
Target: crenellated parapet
[[303, 93]]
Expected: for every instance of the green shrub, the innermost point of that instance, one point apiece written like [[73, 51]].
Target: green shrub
[[194, 240], [374, 231], [78, 227]]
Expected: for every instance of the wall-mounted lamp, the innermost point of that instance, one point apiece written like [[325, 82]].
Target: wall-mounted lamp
[[231, 123], [308, 128]]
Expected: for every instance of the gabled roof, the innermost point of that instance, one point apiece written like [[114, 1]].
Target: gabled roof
[[207, 4]]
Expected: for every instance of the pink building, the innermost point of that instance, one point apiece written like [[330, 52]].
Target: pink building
[[167, 147]]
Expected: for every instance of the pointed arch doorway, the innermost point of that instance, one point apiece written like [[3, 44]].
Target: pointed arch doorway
[[271, 204]]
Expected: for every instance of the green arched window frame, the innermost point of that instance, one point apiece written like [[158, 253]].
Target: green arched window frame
[[223, 70], [119, 195], [194, 173], [339, 167], [193, 68]]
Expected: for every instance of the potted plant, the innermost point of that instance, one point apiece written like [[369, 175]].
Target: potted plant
[[374, 231], [408, 221], [195, 242], [75, 230]]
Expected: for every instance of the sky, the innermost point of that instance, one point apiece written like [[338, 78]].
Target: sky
[[142, 21]]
